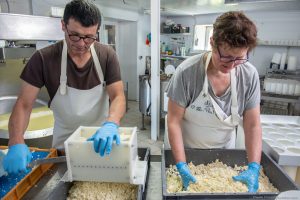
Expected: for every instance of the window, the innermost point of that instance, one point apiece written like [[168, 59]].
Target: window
[[110, 35], [201, 37]]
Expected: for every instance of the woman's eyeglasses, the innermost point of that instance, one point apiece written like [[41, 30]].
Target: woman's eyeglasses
[[76, 38], [227, 59]]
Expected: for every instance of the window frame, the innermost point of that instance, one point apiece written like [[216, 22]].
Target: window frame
[[206, 34]]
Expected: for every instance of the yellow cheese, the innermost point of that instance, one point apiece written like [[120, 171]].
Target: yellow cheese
[[40, 118]]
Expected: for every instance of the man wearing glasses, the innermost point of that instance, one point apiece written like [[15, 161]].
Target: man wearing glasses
[[211, 93], [84, 83]]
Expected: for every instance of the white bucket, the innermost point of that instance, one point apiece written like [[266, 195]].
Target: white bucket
[[292, 63]]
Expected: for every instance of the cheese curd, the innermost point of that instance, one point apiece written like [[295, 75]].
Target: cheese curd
[[99, 191], [214, 177]]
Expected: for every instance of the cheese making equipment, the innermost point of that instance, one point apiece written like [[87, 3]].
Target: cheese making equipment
[[145, 96], [40, 128], [230, 157], [20, 34], [122, 165], [51, 185]]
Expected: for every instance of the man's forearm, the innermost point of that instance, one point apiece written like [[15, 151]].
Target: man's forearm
[[117, 109], [18, 123]]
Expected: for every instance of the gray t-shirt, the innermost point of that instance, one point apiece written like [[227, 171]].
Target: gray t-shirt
[[187, 83]]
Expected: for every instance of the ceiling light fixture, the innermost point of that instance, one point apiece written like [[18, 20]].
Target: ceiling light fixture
[[230, 2]]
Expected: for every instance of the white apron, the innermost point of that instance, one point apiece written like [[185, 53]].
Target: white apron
[[73, 107], [205, 125]]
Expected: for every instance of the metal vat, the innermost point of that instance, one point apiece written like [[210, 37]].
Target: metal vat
[[7, 103], [144, 94], [42, 137]]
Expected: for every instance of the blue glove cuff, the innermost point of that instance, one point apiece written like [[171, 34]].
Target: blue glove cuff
[[254, 165], [108, 123], [180, 164], [16, 146]]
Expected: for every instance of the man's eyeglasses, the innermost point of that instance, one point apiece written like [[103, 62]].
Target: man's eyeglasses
[[229, 59], [76, 38]]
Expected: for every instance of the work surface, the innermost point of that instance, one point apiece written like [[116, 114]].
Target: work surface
[[50, 187]]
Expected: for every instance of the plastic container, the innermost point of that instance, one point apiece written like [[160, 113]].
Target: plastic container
[[283, 61], [230, 157], [267, 85], [122, 165], [51, 187], [292, 63], [273, 86], [279, 85], [292, 86], [297, 89], [285, 87], [275, 62], [30, 179]]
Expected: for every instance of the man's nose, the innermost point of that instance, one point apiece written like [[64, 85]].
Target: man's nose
[[81, 42]]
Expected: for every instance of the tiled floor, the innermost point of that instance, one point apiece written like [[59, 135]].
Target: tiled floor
[[132, 118]]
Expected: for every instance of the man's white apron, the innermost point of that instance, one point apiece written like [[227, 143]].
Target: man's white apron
[[73, 107]]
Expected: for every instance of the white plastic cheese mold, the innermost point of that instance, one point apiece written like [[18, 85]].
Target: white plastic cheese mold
[[281, 136], [122, 165]]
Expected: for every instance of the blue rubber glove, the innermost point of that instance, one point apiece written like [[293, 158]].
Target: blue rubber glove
[[185, 174], [249, 176], [17, 159], [104, 137]]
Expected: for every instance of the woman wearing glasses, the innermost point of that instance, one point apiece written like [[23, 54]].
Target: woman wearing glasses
[[211, 93], [81, 76]]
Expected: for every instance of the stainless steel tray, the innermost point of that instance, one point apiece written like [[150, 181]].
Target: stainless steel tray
[[51, 187]]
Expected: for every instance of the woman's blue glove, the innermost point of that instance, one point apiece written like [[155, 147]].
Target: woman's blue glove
[[104, 137], [17, 159], [249, 176], [185, 174]]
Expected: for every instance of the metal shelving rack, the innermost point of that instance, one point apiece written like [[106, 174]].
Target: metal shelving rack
[[279, 104], [286, 43]]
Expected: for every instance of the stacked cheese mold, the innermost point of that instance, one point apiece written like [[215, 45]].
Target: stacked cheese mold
[[281, 140], [117, 176]]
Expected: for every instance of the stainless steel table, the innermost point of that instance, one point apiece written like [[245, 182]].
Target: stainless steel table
[[50, 187]]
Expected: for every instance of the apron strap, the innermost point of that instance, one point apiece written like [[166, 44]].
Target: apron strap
[[234, 104], [205, 84], [97, 64], [63, 70]]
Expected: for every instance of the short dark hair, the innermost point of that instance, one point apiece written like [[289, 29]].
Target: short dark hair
[[82, 11], [235, 29]]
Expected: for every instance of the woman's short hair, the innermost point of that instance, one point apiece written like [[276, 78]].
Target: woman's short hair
[[235, 29]]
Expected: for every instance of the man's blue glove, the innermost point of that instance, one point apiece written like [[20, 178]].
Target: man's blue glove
[[17, 159], [185, 174], [104, 137], [249, 176]]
